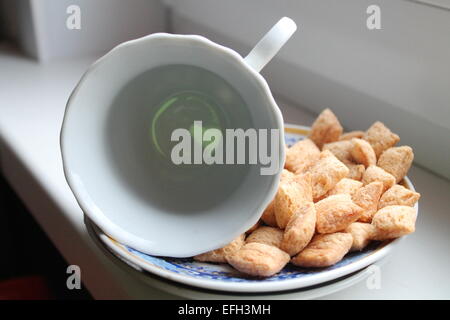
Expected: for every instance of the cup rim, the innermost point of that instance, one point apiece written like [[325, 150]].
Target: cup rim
[[88, 205]]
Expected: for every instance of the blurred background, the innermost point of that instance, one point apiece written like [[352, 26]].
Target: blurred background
[[398, 74]]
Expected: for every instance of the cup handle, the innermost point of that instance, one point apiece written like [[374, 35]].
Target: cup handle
[[270, 44]]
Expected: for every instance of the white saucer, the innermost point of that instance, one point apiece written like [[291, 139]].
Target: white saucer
[[189, 292]]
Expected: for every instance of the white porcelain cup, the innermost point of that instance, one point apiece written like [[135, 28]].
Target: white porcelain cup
[[115, 148]]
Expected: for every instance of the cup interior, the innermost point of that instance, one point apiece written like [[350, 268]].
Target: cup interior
[[116, 144]]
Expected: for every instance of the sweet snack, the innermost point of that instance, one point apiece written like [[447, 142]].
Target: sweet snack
[[374, 173], [341, 150], [268, 216], [367, 198], [394, 222], [326, 173], [324, 250], [267, 235], [345, 186], [220, 255], [335, 213], [292, 195], [352, 134], [398, 195], [362, 152], [396, 161], [362, 234], [380, 137], [301, 155], [356, 171], [258, 259], [299, 230], [325, 129], [338, 192]]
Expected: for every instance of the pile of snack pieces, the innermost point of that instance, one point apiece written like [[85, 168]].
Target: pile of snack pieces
[[338, 192]]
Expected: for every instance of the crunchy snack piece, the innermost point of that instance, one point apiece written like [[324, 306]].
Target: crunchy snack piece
[[367, 198], [254, 227], [345, 186], [337, 193], [341, 149], [326, 128], [398, 195], [374, 173], [380, 137], [267, 235], [286, 175], [352, 134], [362, 152], [291, 196], [397, 161], [326, 173], [324, 250], [299, 230], [258, 259], [394, 221], [362, 233], [220, 255], [268, 216], [356, 171], [301, 155], [336, 213]]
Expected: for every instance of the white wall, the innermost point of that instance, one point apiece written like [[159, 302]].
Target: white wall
[[399, 75], [104, 24]]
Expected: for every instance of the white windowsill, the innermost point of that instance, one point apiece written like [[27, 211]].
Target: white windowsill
[[32, 104]]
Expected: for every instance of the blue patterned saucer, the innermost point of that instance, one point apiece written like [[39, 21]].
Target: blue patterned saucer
[[224, 278]]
